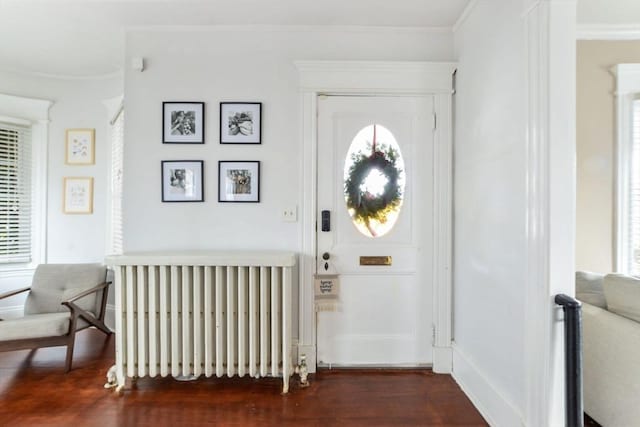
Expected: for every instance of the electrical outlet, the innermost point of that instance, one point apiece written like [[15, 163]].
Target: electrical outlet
[[290, 214]]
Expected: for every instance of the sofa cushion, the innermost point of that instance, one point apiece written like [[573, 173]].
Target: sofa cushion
[[623, 295], [35, 326], [589, 288]]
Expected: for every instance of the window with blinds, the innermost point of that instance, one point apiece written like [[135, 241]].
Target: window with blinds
[[117, 157], [15, 193], [633, 223]]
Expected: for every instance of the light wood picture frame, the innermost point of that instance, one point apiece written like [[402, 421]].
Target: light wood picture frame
[[80, 146], [77, 195]]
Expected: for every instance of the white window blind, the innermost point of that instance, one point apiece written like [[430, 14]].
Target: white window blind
[[117, 155], [633, 224], [15, 193]]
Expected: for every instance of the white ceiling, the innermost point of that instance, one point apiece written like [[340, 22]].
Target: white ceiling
[[84, 38]]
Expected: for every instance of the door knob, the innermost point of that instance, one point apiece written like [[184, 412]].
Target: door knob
[[326, 256]]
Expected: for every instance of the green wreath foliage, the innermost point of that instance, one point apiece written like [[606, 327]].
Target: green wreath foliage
[[366, 206]]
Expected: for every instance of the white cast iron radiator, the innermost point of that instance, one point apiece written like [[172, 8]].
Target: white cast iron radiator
[[206, 313]]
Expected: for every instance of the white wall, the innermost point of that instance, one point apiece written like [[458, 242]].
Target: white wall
[[489, 198], [234, 64], [596, 136], [514, 212], [76, 104]]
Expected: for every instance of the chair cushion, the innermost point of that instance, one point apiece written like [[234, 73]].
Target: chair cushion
[[589, 288], [35, 326], [623, 295], [54, 283]]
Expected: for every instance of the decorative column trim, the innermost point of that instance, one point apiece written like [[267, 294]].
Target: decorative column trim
[[550, 150], [308, 217], [443, 234]]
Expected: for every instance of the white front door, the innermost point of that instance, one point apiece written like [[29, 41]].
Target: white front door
[[384, 314]]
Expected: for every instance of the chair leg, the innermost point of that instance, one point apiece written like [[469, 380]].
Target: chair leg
[[101, 326], [70, 345]]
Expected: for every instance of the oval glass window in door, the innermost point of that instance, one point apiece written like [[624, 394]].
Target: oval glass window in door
[[374, 181]]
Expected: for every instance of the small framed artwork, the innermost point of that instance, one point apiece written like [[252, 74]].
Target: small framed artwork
[[183, 122], [239, 181], [182, 181], [240, 122], [80, 146], [78, 195]]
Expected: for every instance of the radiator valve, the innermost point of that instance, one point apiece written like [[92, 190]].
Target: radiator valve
[[302, 370], [112, 381]]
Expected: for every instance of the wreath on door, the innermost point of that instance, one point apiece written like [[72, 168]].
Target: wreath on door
[[364, 205]]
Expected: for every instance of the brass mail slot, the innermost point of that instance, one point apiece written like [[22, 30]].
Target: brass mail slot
[[375, 260]]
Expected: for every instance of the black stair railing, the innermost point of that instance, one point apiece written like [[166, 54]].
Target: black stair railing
[[572, 358]]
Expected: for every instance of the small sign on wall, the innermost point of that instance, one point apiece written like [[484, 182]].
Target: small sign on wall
[[327, 292]]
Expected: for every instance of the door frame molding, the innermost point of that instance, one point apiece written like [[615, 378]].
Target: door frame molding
[[317, 78]]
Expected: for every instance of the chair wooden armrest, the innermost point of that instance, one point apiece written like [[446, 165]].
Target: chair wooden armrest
[[96, 320], [14, 292], [87, 292]]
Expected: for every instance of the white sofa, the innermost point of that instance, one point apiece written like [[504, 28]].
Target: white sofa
[[611, 347]]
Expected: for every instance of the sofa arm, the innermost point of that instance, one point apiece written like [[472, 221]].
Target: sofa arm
[[611, 375]]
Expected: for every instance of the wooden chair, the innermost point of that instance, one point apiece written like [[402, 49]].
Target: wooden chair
[[63, 299]]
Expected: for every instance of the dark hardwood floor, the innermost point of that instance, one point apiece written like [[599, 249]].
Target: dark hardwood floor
[[34, 391]]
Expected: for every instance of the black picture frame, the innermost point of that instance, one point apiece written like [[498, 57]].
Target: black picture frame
[[241, 122], [183, 122], [231, 188], [188, 186]]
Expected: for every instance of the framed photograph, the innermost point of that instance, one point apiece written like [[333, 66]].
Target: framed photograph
[[183, 122], [182, 181], [239, 181], [80, 146], [78, 195], [240, 122]]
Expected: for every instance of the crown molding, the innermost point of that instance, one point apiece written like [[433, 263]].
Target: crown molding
[[288, 28], [608, 32], [464, 15]]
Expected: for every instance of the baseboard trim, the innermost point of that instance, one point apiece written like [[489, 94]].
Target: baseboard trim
[[442, 360], [493, 406]]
